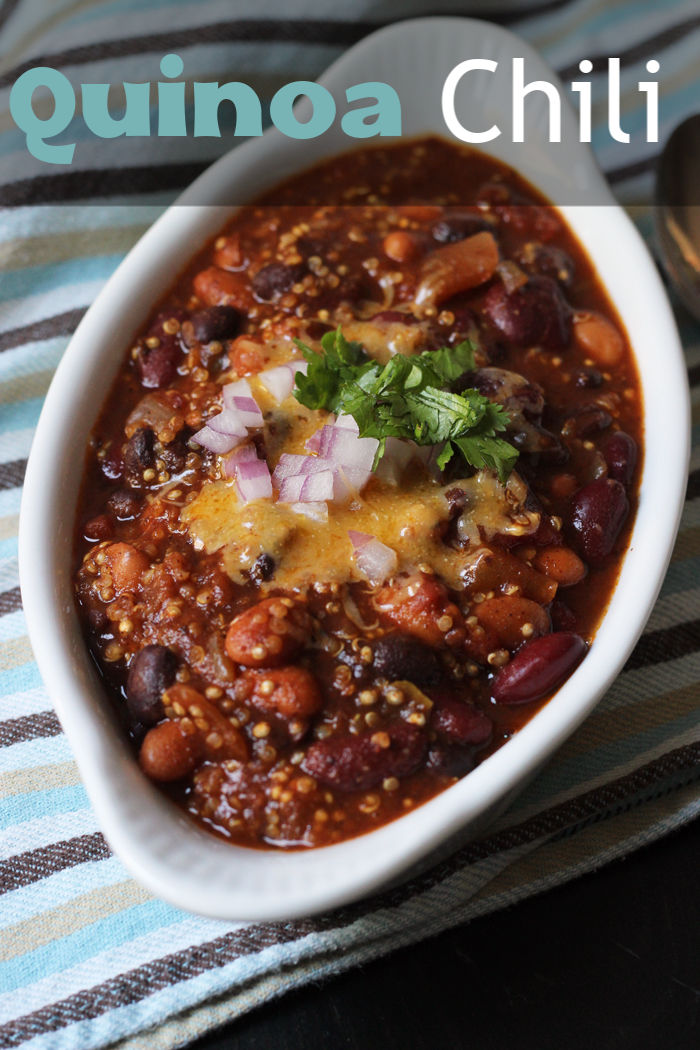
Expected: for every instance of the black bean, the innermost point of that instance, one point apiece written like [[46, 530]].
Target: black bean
[[139, 453], [216, 322], [157, 365], [150, 673], [263, 569], [459, 226], [276, 278], [548, 261], [397, 657], [588, 378], [124, 503]]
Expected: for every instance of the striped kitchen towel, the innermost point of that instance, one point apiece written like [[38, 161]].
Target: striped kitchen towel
[[87, 957]]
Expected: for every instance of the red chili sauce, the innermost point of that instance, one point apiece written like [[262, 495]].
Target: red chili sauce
[[280, 694]]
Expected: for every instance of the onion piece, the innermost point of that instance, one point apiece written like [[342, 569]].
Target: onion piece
[[290, 464], [243, 454], [239, 388], [279, 381], [215, 442], [317, 487], [313, 511], [247, 410], [290, 488], [228, 422], [346, 422], [253, 480], [346, 449], [397, 455], [374, 559]]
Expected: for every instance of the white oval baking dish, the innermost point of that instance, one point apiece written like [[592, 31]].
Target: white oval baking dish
[[161, 847]]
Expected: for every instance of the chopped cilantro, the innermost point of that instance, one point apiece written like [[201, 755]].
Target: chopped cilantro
[[406, 398]]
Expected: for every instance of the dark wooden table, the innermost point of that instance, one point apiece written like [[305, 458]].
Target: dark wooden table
[[610, 961]]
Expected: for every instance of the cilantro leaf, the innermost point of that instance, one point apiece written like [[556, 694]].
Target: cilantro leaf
[[407, 398]]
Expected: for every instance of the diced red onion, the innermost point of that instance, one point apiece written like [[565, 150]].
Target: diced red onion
[[215, 442], [239, 388], [346, 422], [279, 381], [317, 487], [348, 450], [290, 464], [290, 488], [397, 455], [248, 411], [374, 559], [253, 480], [243, 454], [228, 422], [314, 511]]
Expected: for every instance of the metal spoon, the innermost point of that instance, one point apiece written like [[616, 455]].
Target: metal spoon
[[677, 212]]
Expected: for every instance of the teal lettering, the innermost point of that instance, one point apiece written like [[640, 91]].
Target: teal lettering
[[382, 118], [135, 121], [171, 100], [35, 129], [207, 99], [322, 110]]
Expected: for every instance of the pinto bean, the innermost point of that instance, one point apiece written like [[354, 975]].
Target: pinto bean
[[599, 338], [620, 453], [269, 634], [151, 671], [539, 668], [246, 355], [493, 570], [400, 246], [291, 692], [419, 607], [512, 619], [215, 287], [167, 752], [126, 565], [212, 735], [456, 268], [356, 763], [560, 564], [598, 512]]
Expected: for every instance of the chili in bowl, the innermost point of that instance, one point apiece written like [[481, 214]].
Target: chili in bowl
[[352, 512]]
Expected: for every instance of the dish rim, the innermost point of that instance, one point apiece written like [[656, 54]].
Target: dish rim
[[138, 821]]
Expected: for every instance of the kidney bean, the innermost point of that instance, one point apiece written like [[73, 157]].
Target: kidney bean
[[291, 692], [459, 225], [157, 365], [535, 314], [620, 453], [276, 278], [216, 322], [539, 668], [598, 512], [229, 254], [151, 671], [167, 753], [563, 618], [560, 564], [126, 566], [269, 634], [112, 464], [512, 619], [397, 656], [461, 722], [356, 763], [599, 338]]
